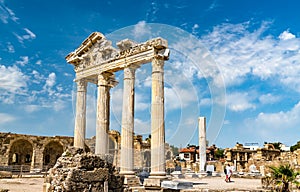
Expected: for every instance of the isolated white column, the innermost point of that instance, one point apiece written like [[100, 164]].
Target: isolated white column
[[158, 163], [80, 119], [102, 121], [202, 143], [127, 152]]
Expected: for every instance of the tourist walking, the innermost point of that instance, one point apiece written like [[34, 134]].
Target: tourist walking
[[228, 172]]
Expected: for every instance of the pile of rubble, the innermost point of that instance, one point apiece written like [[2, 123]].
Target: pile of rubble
[[76, 170]]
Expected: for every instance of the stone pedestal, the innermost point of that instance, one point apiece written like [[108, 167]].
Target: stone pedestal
[[152, 183], [80, 119], [157, 121]]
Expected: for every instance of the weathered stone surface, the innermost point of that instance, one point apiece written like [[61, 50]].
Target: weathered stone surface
[[5, 174], [176, 185], [80, 171]]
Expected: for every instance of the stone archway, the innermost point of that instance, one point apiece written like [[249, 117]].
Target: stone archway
[[20, 153], [51, 153]]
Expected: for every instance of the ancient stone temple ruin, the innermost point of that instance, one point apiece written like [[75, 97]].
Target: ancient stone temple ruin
[[95, 61]]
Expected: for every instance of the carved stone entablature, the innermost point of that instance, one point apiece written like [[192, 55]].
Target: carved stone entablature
[[97, 55]]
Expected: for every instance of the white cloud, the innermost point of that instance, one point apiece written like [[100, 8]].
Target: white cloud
[[140, 102], [280, 126], [29, 35], [10, 48], [205, 102], [32, 108], [239, 101], [12, 79], [286, 35], [142, 127], [269, 98], [281, 120], [194, 28], [24, 60], [239, 52], [179, 97], [141, 29], [38, 62], [6, 14], [37, 77], [50, 82], [6, 118]]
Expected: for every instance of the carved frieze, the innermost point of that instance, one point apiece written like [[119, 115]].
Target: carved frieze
[[97, 55]]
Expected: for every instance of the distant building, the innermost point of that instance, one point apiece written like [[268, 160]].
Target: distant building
[[251, 146], [240, 156], [191, 153], [283, 147]]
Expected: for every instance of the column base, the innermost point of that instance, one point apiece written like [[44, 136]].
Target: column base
[[158, 175], [154, 182], [127, 173]]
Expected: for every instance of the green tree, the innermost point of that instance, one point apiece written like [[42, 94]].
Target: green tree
[[175, 150], [283, 176], [295, 147], [219, 153]]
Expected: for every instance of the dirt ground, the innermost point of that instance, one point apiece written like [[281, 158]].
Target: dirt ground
[[217, 183], [22, 184]]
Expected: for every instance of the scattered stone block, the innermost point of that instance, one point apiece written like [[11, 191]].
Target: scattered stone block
[[176, 185], [177, 175], [5, 174]]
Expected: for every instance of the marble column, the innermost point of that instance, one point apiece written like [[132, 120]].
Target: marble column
[[202, 143], [158, 164], [80, 119], [103, 111], [127, 149]]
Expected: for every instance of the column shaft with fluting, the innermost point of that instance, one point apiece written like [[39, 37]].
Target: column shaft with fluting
[[157, 120], [202, 143], [127, 151], [102, 121], [80, 118]]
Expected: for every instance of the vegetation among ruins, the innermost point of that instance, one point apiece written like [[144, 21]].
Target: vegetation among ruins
[[295, 147], [283, 176]]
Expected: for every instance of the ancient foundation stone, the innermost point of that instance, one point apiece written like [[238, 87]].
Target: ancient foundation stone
[[76, 170]]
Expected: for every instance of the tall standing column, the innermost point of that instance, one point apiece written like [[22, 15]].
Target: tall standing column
[[127, 161], [102, 121], [202, 143], [80, 119], [158, 163]]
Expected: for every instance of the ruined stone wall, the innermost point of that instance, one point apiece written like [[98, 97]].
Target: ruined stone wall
[[76, 170], [35, 152], [40, 152]]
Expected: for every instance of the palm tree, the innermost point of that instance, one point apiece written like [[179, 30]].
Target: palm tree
[[283, 175]]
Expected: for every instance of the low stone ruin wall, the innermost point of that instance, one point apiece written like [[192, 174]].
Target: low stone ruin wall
[[76, 170]]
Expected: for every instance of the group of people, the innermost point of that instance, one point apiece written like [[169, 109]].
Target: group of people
[[228, 172]]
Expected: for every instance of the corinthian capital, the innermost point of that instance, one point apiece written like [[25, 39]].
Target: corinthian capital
[[81, 85]]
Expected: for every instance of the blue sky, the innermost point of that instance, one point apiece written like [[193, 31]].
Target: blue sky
[[235, 62]]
